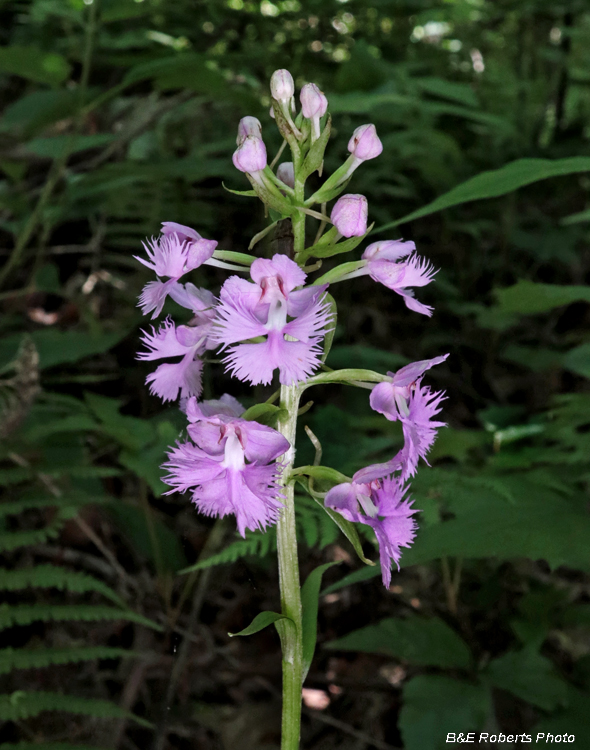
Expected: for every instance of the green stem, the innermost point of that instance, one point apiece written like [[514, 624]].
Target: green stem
[[291, 637]]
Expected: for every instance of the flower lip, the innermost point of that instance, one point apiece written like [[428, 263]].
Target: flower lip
[[365, 143]]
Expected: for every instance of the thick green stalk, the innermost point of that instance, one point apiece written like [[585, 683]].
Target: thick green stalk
[[291, 636]]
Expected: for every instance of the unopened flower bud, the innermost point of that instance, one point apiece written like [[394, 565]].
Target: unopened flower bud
[[282, 86], [313, 102], [365, 143], [250, 156], [248, 126], [349, 215], [286, 173]]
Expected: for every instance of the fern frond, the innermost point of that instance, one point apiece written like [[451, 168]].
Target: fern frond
[[15, 507], [15, 475], [24, 614], [52, 576], [256, 544], [10, 540], [45, 657], [21, 705], [313, 523]]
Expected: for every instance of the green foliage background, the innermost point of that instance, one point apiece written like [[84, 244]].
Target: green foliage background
[[118, 115]]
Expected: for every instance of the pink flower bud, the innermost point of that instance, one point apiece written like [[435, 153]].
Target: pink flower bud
[[349, 215], [286, 173], [282, 86], [250, 156], [313, 102], [365, 143], [248, 126]]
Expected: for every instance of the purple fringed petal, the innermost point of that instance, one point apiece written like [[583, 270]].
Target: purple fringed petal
[[251, 493], [170, 379], [380, 505], [419, 427], [236, 322], [153, 296], [255, 363], [162, 343]]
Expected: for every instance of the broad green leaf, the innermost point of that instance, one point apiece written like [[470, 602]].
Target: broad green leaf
[[134, 525], [55, 146], [434, 706], [146, 460], [538, 524], [535, 358], [358, 576], [459, 92], [310, 593], [529, 676], [530, 297], [574, 720], [428, 642], [61, 347], [497, 182], [261, 621], [34, 111], [582, 216], [130, 432], [34, 64], [578, 360]]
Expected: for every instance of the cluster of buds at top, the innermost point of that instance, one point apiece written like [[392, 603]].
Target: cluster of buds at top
[[275, 326]]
